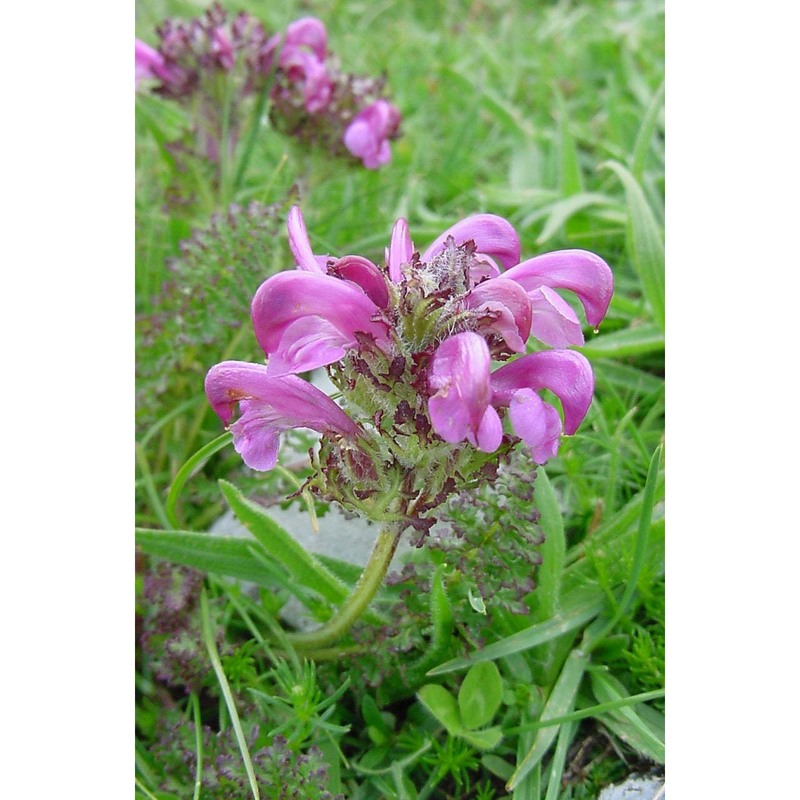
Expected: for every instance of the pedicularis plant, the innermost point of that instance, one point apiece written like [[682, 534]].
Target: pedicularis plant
[[214, 67], [410, 346]]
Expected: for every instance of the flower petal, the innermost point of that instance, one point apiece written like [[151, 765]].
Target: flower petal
[[554, 321], [493, 236], [401, 250], [459, 378], [308, 32], [513, 305], [149, 62], [337, 308], [490, 431], [308, 343], [537, 423], [269, 406], [366, 137], [300, 244], [364, 274], [222, 48], [579, 271], [564, 372]]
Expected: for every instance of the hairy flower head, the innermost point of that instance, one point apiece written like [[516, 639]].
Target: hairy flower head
[[412, 346]]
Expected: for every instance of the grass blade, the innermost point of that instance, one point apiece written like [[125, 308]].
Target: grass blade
[[565, 736], [553, 550], [561, 700], [648, 501], [633, 341], [211, 647], [186, 472], [645, 135], [569, 165], [561, 211], [647, 247], [626, 721], [150, 487], [566, 621]]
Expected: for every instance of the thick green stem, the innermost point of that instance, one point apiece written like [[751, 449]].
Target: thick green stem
[[367, 587]]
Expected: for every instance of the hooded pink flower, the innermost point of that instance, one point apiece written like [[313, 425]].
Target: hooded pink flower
[[270, 405], [302, 58], [565, 373], [509, 300], [465, 395], [460, 404], [305, 320], [149, 62], [578, 271], [367, 136], [434, 322]]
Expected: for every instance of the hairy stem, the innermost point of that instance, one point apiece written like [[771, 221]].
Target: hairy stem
[[367, 587]]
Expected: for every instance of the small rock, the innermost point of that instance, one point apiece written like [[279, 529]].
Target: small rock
[[349, 540], [635, 789]]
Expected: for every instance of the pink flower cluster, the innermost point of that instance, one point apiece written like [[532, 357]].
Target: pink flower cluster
[[410, 345], [348, 107], [311, 98]]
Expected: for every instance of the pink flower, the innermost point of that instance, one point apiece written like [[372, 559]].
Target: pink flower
[[305, 320], [308, 33], [465, 395], [508, 300], [504, 310], [222, 48], [578, 271], [460, 404], [149, 62], [494, 238], [270, 405], [565, 373], [367, 136], [302, 58], [434, 323]]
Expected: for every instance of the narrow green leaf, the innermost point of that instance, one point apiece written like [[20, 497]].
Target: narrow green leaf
[[642, 538], [442, 705], [627, 722], [211, 647], [626, 377], [187, 470], [591, 711], [561, 700], [281, 546], [568, 620], [530, 787], [150, 487], [647, 246], [561, 211], [645, 136], [633, 341], [613, 532], [221, 555], [569, 165], [510, 117], [565, 736], [198, 747], [480, 695], [553, 550]]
